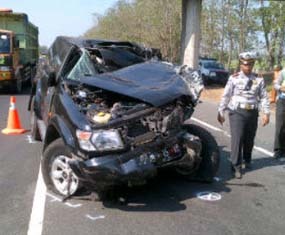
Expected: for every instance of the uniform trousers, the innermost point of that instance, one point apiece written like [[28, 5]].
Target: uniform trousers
[[279, 141], [243, 125]]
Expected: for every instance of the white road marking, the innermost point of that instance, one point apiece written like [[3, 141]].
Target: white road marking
[[209, 196], [37, 215], [206, 124], [57, 199], [30, 139], [262, 150], [95, 217]]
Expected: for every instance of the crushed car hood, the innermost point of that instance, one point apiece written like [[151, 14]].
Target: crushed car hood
[[156, 83]]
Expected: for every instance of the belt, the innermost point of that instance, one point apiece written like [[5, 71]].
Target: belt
[[247, 106]]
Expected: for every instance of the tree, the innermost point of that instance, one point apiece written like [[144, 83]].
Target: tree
[[153, 23], [272, 20], [228, 27]]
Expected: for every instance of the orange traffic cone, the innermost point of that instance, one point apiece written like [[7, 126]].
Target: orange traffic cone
[[13, 125]]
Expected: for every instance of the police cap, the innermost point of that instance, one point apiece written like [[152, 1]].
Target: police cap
[[247, 57]]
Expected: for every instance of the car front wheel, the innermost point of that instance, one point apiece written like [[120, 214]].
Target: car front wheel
[[210, 155], [57, 174]]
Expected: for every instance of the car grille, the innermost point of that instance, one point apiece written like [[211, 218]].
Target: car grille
[[222, 75], [160, 123]]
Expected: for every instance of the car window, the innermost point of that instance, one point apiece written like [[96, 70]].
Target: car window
[[117, 57], [83, 67], [213, 65]]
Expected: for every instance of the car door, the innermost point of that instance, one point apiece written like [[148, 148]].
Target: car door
[[54, 81]]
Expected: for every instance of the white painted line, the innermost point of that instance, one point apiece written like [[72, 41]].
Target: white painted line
[[262, 150], [207, 125], [37, 215], [54, 198], [266, 152], [209, 196], [95, 217], [30, 139], [57, 199]]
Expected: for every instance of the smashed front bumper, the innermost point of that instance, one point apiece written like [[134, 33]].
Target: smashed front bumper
[[134, 167]]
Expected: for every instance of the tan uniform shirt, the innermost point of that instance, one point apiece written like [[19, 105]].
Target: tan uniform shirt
[[243, 89]]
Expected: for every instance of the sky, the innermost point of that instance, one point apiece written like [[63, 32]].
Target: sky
[[59, 17]]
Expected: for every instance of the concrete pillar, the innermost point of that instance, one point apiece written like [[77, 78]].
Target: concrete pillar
[[191, 35]]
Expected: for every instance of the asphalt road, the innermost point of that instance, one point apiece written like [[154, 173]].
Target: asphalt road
[[167, 205]]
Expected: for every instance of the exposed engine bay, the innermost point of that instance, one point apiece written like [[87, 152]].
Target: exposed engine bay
[[139, 123]]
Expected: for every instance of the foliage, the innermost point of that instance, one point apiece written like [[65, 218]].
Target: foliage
[[271, 19], [228, 27], [153, 23]]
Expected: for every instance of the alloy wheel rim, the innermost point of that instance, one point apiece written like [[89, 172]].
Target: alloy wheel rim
[[63, 177]]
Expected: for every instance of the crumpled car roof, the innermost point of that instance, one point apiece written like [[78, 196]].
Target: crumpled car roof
[[62, 45]]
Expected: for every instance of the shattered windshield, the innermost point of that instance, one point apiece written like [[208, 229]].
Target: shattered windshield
[[4, 43], [120, 57], [83, 67]]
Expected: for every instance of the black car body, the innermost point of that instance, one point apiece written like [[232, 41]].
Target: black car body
[[112, 113], [213, 72]]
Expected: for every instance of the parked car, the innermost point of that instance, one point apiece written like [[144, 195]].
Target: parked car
[[112, 113], [213, 72]]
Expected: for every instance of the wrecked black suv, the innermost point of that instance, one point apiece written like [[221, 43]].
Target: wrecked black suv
[[112, 113]]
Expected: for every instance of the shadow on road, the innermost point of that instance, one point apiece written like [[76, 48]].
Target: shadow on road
[[267, 162], [168, 192], [164, 193], [259, 163]]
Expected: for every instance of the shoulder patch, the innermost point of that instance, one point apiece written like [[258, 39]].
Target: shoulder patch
[[235, 74]]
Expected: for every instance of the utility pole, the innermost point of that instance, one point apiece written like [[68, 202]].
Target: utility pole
[[191, 33]]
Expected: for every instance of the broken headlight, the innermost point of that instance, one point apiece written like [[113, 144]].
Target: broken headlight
[[107, 140], [84, 140], [102, 140]]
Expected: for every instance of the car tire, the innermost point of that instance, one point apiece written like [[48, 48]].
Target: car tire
[[35, 132], [210, 154], [56, 171]]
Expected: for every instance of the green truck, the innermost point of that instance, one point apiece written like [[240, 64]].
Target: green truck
[[19, 49]]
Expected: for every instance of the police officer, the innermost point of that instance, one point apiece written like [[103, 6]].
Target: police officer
[[244, 93], [279, 141]]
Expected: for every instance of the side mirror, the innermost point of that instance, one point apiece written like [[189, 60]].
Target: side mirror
[[51, 79]]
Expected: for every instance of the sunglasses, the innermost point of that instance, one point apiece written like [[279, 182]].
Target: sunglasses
[[247, 64]]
